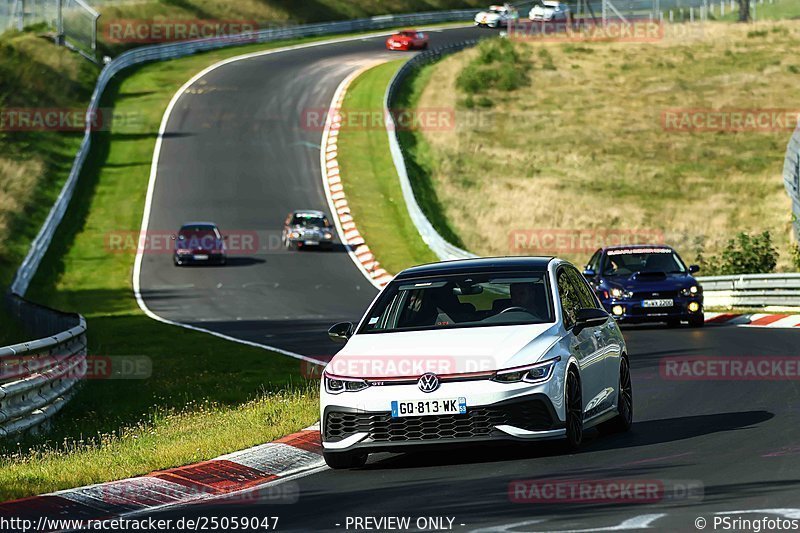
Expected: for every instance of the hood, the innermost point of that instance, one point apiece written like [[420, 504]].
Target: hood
[[656, 281], [442, 351], [488, 15]]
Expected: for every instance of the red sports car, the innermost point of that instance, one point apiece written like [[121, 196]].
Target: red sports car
[[408, 40]]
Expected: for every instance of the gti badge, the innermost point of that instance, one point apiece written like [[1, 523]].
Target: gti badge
[[428, 382]]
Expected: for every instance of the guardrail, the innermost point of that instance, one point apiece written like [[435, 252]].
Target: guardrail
[[443, 249], [38, 377], [752, 290]]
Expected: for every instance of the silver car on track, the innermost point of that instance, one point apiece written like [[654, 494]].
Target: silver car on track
[[307, 229], [475, 350]]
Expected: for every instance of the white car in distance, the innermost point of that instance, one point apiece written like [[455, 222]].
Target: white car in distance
[[549, 11], [497, 16]]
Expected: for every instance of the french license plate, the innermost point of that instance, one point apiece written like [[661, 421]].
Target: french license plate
[[451, 406], [311, 243], [665, 302], [200, 257]]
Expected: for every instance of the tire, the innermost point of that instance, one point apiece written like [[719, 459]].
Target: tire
[[697, 321], [624, 419], [345, 460], [574, 406]]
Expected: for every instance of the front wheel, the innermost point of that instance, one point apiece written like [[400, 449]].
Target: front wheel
[[344, 460], [624, 419], [574, 403]]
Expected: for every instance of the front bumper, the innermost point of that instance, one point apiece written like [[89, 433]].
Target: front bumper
[[191, 259], [495, 412], [634, 312], [311, 243]]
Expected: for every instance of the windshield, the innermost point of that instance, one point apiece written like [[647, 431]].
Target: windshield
[[473, 300], [307, 221], [651, 260]]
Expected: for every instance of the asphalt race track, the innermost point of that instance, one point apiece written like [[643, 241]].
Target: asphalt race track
[[235, 153], [238, 151]]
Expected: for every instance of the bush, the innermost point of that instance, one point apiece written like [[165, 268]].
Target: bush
[[796, 256], [744, 254], [497, 66]]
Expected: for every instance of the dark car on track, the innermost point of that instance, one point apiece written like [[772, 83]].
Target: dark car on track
[[307, 229], [199, 243], [646, 283]]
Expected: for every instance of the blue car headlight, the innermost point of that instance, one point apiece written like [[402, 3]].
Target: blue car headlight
[[694, 290], [536, 373]]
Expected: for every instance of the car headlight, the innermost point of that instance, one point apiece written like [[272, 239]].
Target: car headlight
[[535, 373], [690, 291], [294, 234], [336, 385], [616, 292], [327, 236], [182, 251]]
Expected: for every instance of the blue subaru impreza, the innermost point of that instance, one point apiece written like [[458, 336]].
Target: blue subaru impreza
[[646, 283]]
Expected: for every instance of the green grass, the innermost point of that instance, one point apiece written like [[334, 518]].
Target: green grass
[[191, 370], [584, 148], [421, 163], [259, 13], [370, 179], [161, 440]]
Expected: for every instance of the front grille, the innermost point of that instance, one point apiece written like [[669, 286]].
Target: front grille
[[532, 415], [651, 295]]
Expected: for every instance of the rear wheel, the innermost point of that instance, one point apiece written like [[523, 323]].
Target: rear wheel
[[344, 460], [574, 403], [623, 421]]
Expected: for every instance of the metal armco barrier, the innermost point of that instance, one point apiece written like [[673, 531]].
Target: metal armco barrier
[[752, 290], [791, 178], [443, 249], [38, 377]]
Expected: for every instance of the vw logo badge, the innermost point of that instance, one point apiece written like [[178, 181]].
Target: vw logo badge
[[428, 382]]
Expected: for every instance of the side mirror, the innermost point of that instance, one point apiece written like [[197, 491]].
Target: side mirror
[[589, 273], [590, 317], [341, 332], [693, 269]]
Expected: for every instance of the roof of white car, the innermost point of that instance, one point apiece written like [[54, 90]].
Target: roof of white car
[[481, 264]]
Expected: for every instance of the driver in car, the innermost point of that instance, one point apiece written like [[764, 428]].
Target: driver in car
[[526, 296]]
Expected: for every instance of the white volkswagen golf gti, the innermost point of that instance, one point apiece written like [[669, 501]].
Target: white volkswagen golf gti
[[514, 348]]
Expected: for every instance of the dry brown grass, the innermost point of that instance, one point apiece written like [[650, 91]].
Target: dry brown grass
[[583, 147]]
